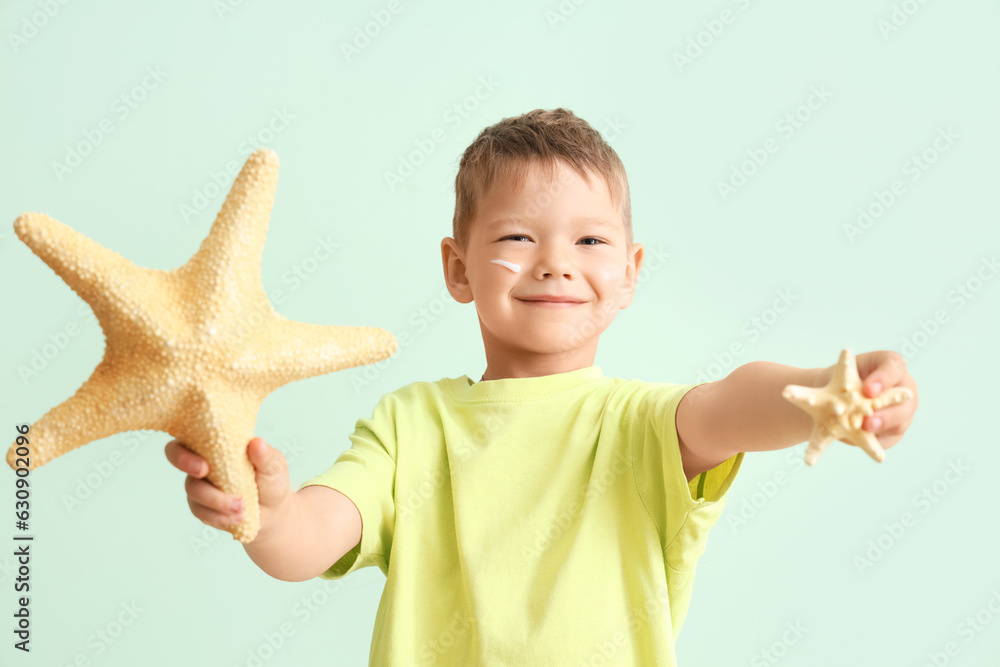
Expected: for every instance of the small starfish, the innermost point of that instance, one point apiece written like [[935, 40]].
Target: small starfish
[[193, 351], [839, 408]]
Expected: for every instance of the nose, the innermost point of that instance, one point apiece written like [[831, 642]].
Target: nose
[[552, 261]]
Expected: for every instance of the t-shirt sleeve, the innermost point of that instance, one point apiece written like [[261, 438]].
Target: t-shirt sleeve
[[366, 474], [682, 511]]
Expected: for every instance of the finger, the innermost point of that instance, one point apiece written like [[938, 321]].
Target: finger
[[896, 432], [212, 518], [881, 422], [889, 372], [212, 497], [185, 460]]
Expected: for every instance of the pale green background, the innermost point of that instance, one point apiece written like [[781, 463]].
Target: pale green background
[[682, 129]]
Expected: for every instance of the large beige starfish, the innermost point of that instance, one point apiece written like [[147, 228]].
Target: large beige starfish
[[193, 351], [839, 408]]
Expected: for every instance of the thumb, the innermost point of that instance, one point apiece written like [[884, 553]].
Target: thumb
[[270, 466]]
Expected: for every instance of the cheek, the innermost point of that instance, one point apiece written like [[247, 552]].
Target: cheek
[[512, 266], [611, 275]]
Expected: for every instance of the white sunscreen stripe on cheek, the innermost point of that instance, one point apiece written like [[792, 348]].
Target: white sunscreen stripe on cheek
[[516, 268]]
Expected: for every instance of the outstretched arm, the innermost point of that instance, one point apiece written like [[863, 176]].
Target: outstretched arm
[[746, 409]]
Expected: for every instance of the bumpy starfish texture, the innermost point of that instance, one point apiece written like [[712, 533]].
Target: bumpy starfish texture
[[838, 409], [194, 351]]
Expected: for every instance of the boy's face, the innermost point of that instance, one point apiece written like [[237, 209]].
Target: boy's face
[[557, 239]]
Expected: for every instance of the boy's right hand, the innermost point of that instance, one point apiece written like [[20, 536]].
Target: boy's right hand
[[216, 508]]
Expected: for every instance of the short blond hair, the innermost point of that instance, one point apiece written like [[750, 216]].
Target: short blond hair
[[503, 153]]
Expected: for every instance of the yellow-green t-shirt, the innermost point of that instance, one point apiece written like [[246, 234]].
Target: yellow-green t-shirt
[[527, 521]]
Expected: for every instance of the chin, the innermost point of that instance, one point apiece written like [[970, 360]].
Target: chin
[[552, 343]]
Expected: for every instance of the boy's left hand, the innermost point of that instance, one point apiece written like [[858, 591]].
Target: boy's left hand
[[881, 370]]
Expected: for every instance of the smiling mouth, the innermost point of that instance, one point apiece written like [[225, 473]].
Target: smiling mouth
[[552, 304]]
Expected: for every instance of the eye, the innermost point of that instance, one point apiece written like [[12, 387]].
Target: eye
[[522, 236]]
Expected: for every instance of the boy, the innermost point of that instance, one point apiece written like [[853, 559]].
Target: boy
[[547, 514]]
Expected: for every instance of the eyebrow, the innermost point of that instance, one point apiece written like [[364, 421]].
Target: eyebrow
[[516, 218]]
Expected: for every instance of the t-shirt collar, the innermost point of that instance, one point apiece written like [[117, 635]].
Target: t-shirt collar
[[528, 388]]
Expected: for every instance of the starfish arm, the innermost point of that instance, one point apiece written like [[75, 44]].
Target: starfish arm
[[814, 400], [106, 404], [216, 421], [845, 374], [226, 267], [891, 397], [867, 441], [818, 442], [284, 351], [115, 289]]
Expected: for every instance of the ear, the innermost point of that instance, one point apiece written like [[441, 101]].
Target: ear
[[454, 271], [632, 269]]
